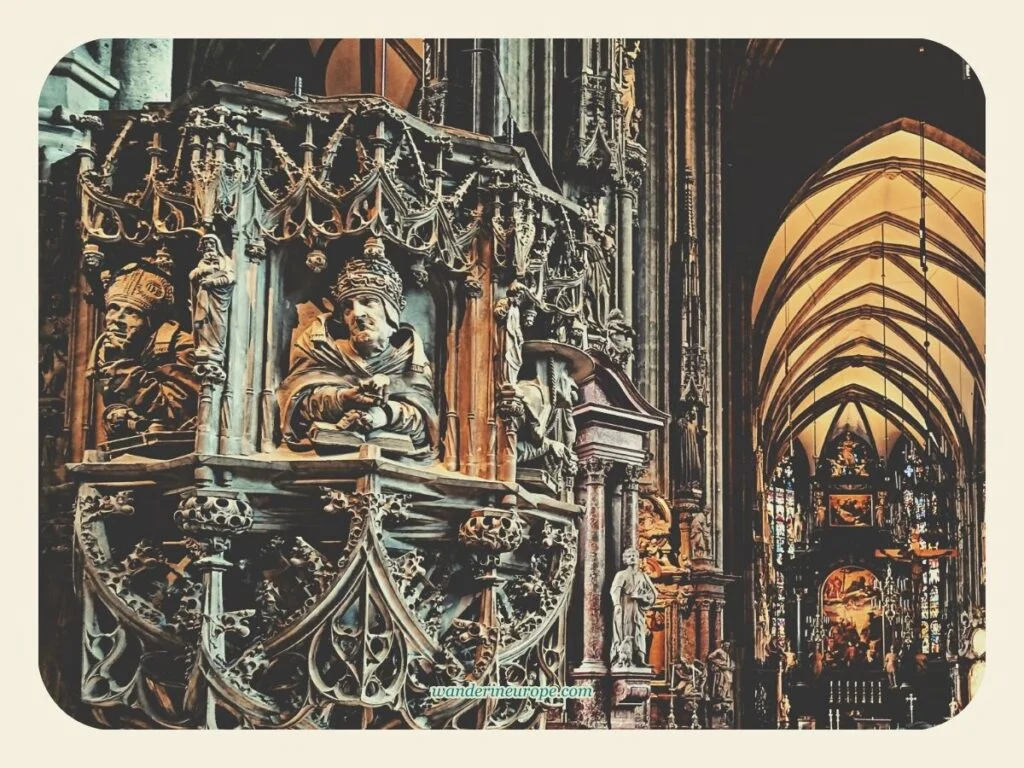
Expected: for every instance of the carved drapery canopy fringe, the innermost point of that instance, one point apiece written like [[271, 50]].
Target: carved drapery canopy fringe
[[279, 168]]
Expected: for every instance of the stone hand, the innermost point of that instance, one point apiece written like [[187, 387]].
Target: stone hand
[[376, 389], [350, 398], [556, 449], [563, 454], [364, 421], [121, 418]]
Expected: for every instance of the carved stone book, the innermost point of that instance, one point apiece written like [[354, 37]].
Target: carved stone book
[[329, 438]]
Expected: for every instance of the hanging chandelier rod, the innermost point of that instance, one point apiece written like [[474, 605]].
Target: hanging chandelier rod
[[885, 359], [923, 238]]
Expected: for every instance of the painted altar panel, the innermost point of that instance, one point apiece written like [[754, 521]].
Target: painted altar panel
[[850, 603]]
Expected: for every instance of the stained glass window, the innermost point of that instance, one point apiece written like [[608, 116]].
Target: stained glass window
[[923, 515], [931, 628], [782, 511]]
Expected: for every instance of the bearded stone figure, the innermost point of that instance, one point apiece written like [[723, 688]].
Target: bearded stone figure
[[142, 361], [359, 374], [632, 593]]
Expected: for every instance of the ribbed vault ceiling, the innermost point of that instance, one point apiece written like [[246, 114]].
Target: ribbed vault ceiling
[[850, 332]]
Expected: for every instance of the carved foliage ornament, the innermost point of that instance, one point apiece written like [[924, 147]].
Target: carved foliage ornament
[[214, 516], [494, 530]]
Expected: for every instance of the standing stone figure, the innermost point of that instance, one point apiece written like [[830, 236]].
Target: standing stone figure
[[212, 282], [784, 709], [699, 535], [627, 93], [142, 361], [359, 370], [632, 594], [817, 662], [890, 666], [510, 343], [634, 125], [691, 463], [721, 662], [598, 276]]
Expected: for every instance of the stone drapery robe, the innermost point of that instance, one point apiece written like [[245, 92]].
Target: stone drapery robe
[[632, 594], [319, 365], [158, 383]]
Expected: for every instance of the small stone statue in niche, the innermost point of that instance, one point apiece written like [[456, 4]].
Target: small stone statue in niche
[[784, 709], [627, 91], [598, 277], [817, 662], [890, 666], [720, 660], [632, 594], [699, 548], [690, 458], [619, 342], [359, 374], [510, 342], [212, 282], [634, 125], [797, 531], [142, 361]]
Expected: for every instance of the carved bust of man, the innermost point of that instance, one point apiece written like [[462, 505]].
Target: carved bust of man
[[632, 594], [359, 369], [142, 361]]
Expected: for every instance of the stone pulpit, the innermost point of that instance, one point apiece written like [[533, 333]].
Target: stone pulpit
[[325, 443]]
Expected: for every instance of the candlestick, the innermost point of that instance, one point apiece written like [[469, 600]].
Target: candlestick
[[671, 691]]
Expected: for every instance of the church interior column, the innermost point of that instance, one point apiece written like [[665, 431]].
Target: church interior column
[[630, 504], [143, 68], [595, 472], [626, 200]]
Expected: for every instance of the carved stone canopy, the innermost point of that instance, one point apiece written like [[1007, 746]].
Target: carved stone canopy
[[281, 167], [613, 418]]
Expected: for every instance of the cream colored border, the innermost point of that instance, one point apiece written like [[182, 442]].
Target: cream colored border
[[39, 33]]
